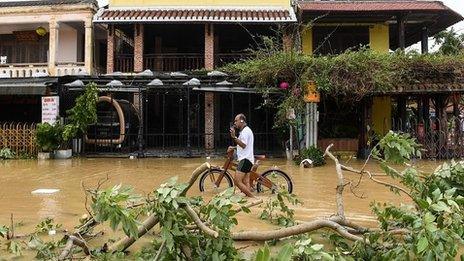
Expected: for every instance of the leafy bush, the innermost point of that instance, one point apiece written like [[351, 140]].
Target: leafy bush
[[6, 153], [312, 153], [48, 137], [347, 77]]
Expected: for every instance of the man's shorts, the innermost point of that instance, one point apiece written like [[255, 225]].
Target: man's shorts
[[244, 166]]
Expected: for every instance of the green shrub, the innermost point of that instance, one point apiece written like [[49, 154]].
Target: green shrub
[[6, 153], [312, 153], [47, 137]]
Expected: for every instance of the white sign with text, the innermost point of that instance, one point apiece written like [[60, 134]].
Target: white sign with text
[[50, 109]]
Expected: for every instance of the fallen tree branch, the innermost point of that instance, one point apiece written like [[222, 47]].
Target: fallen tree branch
[[361, 172], [73, 241], [294, 230], [193, 215], [158, 255], [340, 183], [152, 220]]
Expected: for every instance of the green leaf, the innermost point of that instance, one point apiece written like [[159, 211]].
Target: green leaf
[[4, 231], [285, 254], [14, 248], [422, 244], [263, 254]]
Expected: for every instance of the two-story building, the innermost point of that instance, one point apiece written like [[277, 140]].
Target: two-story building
[[383, 26], [39, 40]]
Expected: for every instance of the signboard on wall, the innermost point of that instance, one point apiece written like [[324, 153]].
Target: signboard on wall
[[50, 109]]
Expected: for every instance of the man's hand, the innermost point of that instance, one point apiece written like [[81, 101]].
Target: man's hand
[[232, 133], [230, 149]]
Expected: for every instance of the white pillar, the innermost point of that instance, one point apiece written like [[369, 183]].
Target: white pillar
[[308, 127], [88, 60], [53, 46], [311, 124]]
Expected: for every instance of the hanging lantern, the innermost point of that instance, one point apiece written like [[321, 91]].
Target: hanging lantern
[[312, 95], [41, 31]]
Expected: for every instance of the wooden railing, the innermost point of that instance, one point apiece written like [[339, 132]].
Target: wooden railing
[[174, 61], [124, 63], [19, 137]]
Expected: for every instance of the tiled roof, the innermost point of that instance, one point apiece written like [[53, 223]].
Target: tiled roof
[[224, 15], [371, 6], [45, 3]]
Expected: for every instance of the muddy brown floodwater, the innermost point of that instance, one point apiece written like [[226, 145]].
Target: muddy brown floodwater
[[18, 178]]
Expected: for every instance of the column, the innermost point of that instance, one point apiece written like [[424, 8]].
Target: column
[[88, 56], [138, 47], [53, 46], [110, 50], [425, 40], [307, 40], [209, 47], [401, 22], [209, 121]]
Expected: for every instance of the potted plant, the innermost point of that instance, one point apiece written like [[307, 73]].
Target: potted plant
[[66, 133], [47, 139]]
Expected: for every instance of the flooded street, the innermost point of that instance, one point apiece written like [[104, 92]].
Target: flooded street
[[315, 187]]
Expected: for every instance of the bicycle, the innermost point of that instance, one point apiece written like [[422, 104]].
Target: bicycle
[[271, 180]]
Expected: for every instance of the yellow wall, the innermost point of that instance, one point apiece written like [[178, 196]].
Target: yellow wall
[[381, 115], [307, 40], [379, 37], [132, 3]]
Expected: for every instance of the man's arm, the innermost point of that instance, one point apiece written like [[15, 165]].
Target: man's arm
[[236, 140], [239, 142]]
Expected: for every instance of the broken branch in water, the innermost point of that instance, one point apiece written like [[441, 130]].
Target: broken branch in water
[[350, 169], [194, 216], [73, 241], [152, 220], [294, 230], [340, 183]]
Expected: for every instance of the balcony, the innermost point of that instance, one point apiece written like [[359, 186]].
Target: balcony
[[171, 62], [71, 68], [17, 70]]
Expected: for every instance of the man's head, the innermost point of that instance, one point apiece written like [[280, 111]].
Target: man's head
[[240, 121]]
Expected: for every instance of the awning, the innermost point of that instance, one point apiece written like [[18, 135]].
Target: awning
[[25, 86], [225, 89], [371, 6], [203, 14]]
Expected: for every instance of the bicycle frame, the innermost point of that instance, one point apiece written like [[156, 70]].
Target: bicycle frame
[[254, 176]]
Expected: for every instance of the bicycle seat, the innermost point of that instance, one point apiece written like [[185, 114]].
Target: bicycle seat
[[260, 157]]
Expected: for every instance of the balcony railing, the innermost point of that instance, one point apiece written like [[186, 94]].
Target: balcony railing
[[16, 70], [71, 68], [174, 61], [124, 63]]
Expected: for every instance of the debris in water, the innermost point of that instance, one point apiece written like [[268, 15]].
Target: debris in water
[[45, 191]]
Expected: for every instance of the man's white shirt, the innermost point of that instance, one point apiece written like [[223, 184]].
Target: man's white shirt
[[246, 136]]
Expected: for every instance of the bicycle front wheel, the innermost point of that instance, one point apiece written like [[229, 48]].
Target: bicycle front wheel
[[274, 180], [209, 178]]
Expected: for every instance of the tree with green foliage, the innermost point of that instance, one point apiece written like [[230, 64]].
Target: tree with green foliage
[[450, 42]]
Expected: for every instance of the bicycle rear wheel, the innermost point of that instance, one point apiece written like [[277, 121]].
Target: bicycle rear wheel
[[208, 181], [279, 180]]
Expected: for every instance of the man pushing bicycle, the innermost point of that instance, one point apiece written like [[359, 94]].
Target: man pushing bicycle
[[245, 154]]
